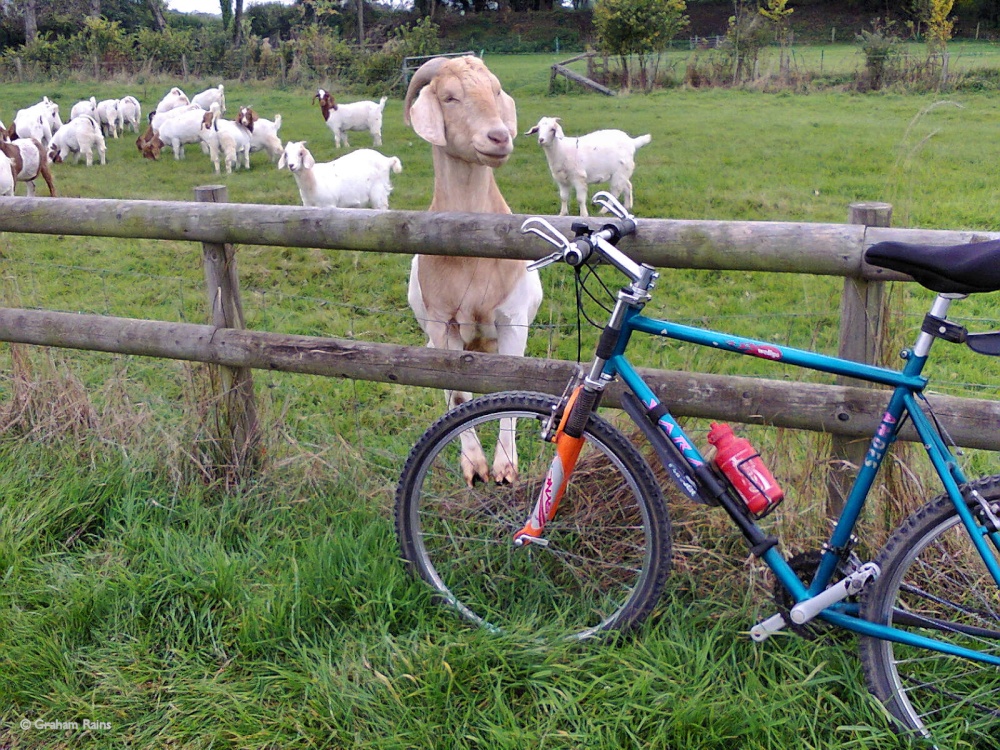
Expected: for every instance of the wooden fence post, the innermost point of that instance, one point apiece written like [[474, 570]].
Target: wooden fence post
[[239, 428], [861, 330]]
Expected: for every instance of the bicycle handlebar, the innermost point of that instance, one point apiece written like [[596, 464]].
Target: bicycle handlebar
[[603, 240]]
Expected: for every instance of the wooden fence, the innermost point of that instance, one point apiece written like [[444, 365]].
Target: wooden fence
[[843, 410]]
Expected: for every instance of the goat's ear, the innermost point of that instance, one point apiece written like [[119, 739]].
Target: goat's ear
[[307, 160], [427, 118], [508, 113], [282, 161], [534, 129]]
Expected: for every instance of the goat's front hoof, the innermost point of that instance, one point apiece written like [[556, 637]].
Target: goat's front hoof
[[474, 469], [505, 473]]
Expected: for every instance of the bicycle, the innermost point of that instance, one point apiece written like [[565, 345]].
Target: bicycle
[[580, 544]]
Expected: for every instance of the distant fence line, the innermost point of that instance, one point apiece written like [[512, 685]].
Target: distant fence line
[[811, 248]]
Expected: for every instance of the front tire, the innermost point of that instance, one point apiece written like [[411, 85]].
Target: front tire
[[603, 559]]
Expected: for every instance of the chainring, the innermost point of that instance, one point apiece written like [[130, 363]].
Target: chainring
[[805, 565]]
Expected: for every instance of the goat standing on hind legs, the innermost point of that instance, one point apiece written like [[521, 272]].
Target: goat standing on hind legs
[[470, 304]]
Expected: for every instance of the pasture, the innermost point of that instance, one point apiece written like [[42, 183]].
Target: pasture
[[135, 593]]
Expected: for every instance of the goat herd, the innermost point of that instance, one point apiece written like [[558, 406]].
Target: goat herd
[[455, 104]]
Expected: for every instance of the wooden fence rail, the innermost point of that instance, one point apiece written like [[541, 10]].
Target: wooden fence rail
[[826, 249]]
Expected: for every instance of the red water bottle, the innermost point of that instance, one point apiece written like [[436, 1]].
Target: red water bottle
[[742, 466]]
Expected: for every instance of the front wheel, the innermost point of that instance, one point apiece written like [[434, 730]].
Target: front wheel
[[602, 561], [934, 583]]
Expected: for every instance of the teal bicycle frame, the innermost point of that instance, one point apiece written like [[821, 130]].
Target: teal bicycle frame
[[908, 385]]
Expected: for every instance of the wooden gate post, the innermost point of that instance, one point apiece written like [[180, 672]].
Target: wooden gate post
[[861, 330], [239, 429]]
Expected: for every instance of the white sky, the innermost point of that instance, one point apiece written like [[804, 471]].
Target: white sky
[[211, 6]]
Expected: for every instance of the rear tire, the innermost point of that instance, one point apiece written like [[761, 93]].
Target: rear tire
[[603, 559], [934, 583]]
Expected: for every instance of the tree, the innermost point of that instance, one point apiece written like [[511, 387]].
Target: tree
[[156, 9], [637, 27], [30, 21]]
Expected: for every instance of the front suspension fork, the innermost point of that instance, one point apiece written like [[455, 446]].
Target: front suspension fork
[[569, 442]]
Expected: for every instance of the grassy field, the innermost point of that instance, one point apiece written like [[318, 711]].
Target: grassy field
[[136, 594]]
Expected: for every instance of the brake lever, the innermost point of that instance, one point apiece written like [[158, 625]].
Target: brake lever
[[608, 202], [541, 227]]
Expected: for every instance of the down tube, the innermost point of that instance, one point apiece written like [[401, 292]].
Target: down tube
[[621, 366]]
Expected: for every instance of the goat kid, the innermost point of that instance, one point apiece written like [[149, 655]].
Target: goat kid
[[225, 136], [601, 156], [109, 117], [172, 100], [29, 160], [360, 179], [85, 107], [472, 304], [130, 112], [7, 177], [38, 121], [340, 118], [263, 132], [208, 97], [78, 136]]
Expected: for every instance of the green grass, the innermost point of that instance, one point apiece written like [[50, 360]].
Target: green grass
[[136, 593]]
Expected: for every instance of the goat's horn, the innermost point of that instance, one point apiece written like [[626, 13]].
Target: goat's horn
[[425, 73]]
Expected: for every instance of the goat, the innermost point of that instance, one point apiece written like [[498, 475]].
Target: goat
[[130, 112], [85, 107], [228, 135], [358, 180], [39, 121], [145, 140], [208, 97], [29, 160], [7, 177], [470, 304], [263, 132], [354, 116], [172, 99], [178, 130], [78, 136], [601, 156], [109, 117]]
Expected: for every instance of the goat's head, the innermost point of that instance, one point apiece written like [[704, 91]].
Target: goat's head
[[151, 147], [459, 105], [55, 155], [326, 102], [247, 117], [548, 129], [296, 157]]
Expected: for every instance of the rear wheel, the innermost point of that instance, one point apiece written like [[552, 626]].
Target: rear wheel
[[935, 584], [603, 559]]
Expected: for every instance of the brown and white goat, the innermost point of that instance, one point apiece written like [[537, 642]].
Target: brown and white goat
[[29, 161], [471, 304]]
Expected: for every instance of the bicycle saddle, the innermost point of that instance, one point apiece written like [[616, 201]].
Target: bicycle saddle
[[954, 269]]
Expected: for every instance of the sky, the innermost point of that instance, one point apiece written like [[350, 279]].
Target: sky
[[211, 6]]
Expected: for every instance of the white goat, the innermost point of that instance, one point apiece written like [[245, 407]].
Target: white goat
[[7, 177], [85, 107], [172, 100], [472, 304], [208, 97], [227, 136], [354, 116], [78, 136], [361, 179], [178, 130], [38, 121], [263, 132], [601, 156], [156, 119], [109, 117], [130, 112]]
